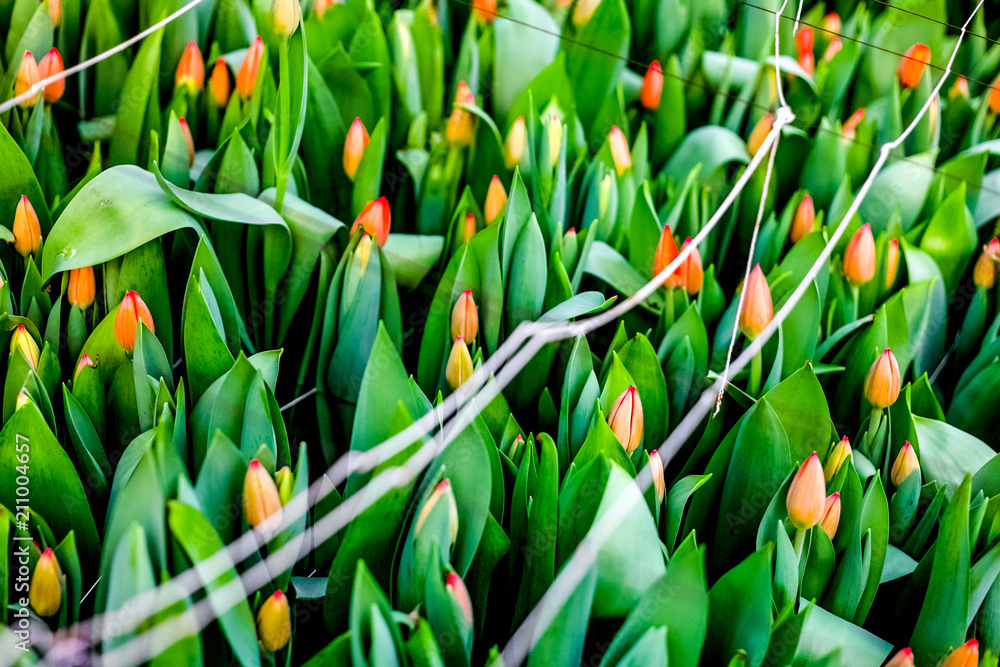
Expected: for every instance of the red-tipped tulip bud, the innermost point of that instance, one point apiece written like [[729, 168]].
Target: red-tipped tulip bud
[[455, 587], [851, 124], [21, 341], [465, 318], [219, 84], [513, 147], [625, 419], [285, 482], [859, 258], [459, 367], [906, 464], [831, 515], [261, 502], [806, 500], [652, 86], [831, 23], [837, 457], [459, 129], [832, 49], [191, 69], [619, 150], [84, 362], [321, 6], [55, 12], [659, 484], [966, 655], [22, 400], [274, 623], [984, 273], [441, 493], [891, 263], [804, 40], [27, 231], [188, 140], [911, 67], [959, 89], [469, 229], [691, 273], [583, 11], [81, 290], [757, 307], [807, 61], [883, 382], [51, 65], [759, 133], [246, 77], [27, 76], [285, 17], [131, 311], [902, 659], [484, 10], [496, 200], [45, 590], [803, 221], [666, 252], [354, 147], [375, 218]]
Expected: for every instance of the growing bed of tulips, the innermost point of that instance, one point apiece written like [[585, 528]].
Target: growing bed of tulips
[[328, 336]]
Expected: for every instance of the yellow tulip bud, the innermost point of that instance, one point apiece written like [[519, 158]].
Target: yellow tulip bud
[[513, 147], [459, 367], [831, 515], [27, 231], [837, 457], [496, 200], [21, 341], [261, 502], [285, 482], [285, 17], [659, 484], [442, 492], [274, 623], [883, 382], [906, 464], [45, 589], [619, 150]]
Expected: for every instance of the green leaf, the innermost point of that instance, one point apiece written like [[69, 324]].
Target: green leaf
[[740, 612]]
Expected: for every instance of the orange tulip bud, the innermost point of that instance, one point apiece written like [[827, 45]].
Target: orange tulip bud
[[188, 139], [757, 307], [691, 274], [354, 147], [959, 89], [619, 150], [84, 362], [807, 61], [27, 76], [659, 484], [906, 464], [81, 290], [459, 129], [27, 231], [246, 77], [375, 218], [831, 23], [985, 271], [859, 258], [442, 493], [322, 5], [52, 65], [45, 590], [465, 318], [470, 227], [883, 382], [496, 200], [652, 86], [805, 218], [131, 311], [804, 40], [911, 67], [55, 12], [759, 133], [274, 623], [891, 263], [806, 500], [219, 84], [191, 69], [484, 10], [902, 659], [625, 419], [832, 49], [455, 587], [851, 124], [261, 502], [21, 341], [285, 16], [966, 655], [837, 458], [459, 367], [831, 515], [666, 252], [513, 147], [583, 11]]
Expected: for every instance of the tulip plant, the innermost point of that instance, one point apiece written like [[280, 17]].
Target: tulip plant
[[244, 254]]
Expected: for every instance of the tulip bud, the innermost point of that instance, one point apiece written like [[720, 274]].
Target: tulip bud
[[354, 147], [804, 40], [496, 200], [831, 515], [131, 311], [261, 502], [859, 258], [191, 69], [902, 659], [883, 382], [513, 147], [555, 133], [22, 400], [911, 67], [851, 124], [484, 10], [583, 11], [652, 86], [45, 590], [375, 218], [831, 23], [757, 307], [625, 419], [832, 49], [966, 655], [759, 133], [459, 367], [604, 194], [459, 129], [55, 12], [188, 139], [804, 219], [906, 464], [321, 6], [441, 492], [246, 77], [619, 150], [285, 17], [21, 341], [514, 446], [837, 457], [455, 587], [286, 485], [666, 252], [85, 360], [985, 271], [891, 263], [465, 318], [659, 484], [806, 500], [219, 84], [80, 290], [691, 274], [27, 231], [51, 65], [274, 623], [470, 227], [994, 98], [959, 89], [27, 76], [807, 62]]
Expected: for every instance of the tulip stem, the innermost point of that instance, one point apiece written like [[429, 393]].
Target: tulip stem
[[800, 542], [855, 297], [668, 305], [281, 162], [756, 370]]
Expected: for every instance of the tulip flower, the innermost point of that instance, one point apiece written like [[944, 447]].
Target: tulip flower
[[666, 252], [51, 65], [911, 67], [837, 458], [131, 311], [45, 589], [246, 77], [906, 464], [851, 124], [806, 500], [465, 318], [759, 133], [994, 98], [190, 70], [459, 128], [354, 147], [891, 263], [85, 361], [80, 290], [803, 221], [484, 10], [904, 658], [883, 382], [469, 229], [27, 76], [959, 89], [757, 307], [625, 419], [859, 258], [619, 150], [831, 23], [652, 86], [188, 139], [659, 484], [442, 493], [583, 11], [555, 133], [320, 7], [831, 515], [219, 84], [460, 595], [274, 623], [832, 49], [459, 367], [285, 482], [285, 16], [984, 273], [804, 44], [21, 341], [513, 147], [496, 200], [261, 502], [27, 231], [691, 273], [375, 218], [55, 12], [966, 655]]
